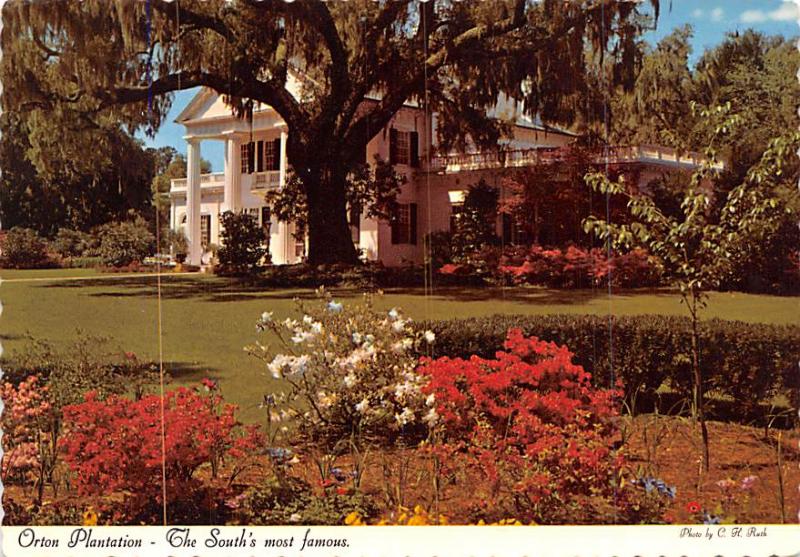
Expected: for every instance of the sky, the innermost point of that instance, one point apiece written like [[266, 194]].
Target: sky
[[711, 20]]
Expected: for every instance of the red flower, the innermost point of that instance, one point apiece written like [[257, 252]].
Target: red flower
[[693, 507], [209, 384], [341, 490]]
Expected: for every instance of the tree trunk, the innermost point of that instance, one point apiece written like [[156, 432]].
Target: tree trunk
[[699, 405], [329, 239]]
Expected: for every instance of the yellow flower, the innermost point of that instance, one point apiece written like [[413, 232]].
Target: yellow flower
[[481, 522], [353, 519], [90, 517], [418, 520], [419, 510]]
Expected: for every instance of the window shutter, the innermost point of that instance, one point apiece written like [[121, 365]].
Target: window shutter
[[392, 146], [266, 218], [414, 147], [276, 160], [412, 233], [260, 156], [251, 153]]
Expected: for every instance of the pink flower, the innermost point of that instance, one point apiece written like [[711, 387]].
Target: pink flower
[[209, 384], [749, 482]]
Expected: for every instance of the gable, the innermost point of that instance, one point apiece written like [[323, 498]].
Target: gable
[[207, 103]]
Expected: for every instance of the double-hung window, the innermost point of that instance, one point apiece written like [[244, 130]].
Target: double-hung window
[[404, 224]]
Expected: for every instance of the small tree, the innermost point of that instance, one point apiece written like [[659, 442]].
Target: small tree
[[243, 244], [476, 220], [696, 249]]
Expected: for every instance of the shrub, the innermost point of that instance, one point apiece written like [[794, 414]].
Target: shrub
[[28, 422], [281, 502], [535, 438], [177, 244], [577, 267], [71, 243], [124, 243], [748, 363], [82, 262], [349, 374], [23, 249], [114, 445], [244, 244]]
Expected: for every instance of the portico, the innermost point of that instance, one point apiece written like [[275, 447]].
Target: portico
[[254, 162]]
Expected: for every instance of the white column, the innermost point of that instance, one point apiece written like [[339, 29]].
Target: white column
[[193, 201], [233, 174], [284, 234], [283, 161]]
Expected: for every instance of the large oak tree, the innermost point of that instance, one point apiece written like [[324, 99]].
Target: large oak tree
[[458, 56]]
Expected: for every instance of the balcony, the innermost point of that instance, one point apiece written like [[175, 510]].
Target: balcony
[[266, 180], [640, 154], [213, 180]]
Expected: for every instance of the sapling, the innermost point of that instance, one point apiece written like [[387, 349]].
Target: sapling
[[697, 249]]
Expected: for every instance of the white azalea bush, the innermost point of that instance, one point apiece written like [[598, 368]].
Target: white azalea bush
[[349, 373]]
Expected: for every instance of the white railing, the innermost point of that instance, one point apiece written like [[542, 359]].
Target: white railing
[[643, 154], [269, 179], [206, 180]]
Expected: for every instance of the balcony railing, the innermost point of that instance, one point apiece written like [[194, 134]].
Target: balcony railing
[[269, 179], [642, 154]]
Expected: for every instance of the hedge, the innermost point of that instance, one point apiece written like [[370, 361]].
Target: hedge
[[749, 363]]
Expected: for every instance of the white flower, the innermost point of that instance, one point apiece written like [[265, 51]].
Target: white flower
[[398, 347], [369, 339], [407, 343], [299, 364], [403, 390], [266, 317], [431, 400], [362, 406], [406, 416], [431, 417], [399, 325], [295, 517], [277, 365], [301, 336], [350, 380], [307, 319], [334, 307], [393, 314], [289, 323], [357, 338], [316, 327], [429, 336]]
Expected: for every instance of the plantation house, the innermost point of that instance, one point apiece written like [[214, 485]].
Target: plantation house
[[255, 162]]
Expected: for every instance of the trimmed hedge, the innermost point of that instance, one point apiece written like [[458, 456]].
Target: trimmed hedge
[[749, 363]]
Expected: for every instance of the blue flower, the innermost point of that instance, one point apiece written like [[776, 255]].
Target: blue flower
[[334, 307], [710, 519], [279, 453]]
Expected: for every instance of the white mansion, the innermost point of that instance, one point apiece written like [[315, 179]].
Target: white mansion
[[255, 161]]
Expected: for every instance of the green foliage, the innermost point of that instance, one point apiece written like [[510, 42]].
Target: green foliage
[[369, 190], [176, 243], [71, 243], [87, 363], [124, 243], [22, 248], [243, 244], [291, 501], [475, 221], [90, 262], [749, 363]]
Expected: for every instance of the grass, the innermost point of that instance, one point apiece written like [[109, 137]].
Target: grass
[[208, 320]]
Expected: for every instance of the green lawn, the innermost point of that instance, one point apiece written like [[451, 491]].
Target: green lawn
[[208, 320]]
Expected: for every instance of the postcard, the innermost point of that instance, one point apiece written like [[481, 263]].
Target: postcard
[[400, 277]]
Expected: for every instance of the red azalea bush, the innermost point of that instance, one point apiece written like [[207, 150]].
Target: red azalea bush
[[577, 267], [533, 437], [115, 445]]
